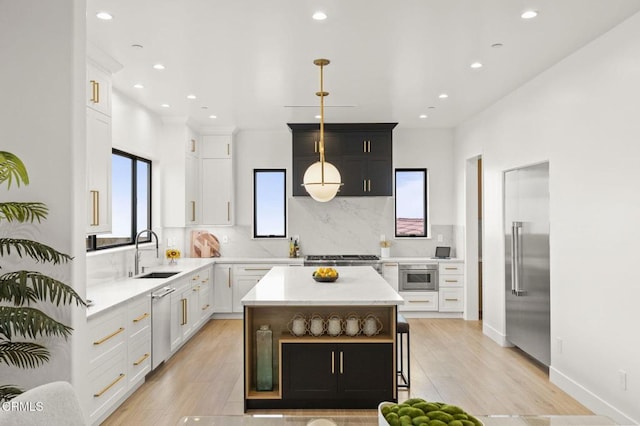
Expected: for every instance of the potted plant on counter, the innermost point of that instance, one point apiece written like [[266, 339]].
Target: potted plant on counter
[[22, 291]]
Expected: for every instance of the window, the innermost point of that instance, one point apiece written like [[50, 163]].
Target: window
[[269, 203], [411, 203], [130, 202]]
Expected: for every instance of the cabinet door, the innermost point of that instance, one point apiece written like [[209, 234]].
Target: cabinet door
[[309, 371], [98, 172], [379, 177], [192, 191], [216, 191], [451, 299], [222, 291], [306, 144], [366, 371], [300, 165], [98, 90], [176, 321], [353, 176], [216, 146], [241, 286]]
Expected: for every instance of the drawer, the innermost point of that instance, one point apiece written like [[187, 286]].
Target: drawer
[[445, 268], [107, 334], [445, 281], [139, 361], [107, 384], [419, 301], [139, 316], [451, 299]]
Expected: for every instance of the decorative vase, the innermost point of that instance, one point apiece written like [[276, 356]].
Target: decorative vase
[[264, 364], [173, 261], [385, 251]]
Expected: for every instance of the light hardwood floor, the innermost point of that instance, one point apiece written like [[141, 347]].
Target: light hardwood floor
[[451, 360]]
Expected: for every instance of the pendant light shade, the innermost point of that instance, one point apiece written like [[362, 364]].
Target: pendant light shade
[[322, 180]]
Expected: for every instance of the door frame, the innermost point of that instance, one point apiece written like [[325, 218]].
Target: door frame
[[471, 246]]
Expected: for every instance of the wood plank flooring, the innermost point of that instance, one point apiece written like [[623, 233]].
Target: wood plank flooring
[[451, 360]]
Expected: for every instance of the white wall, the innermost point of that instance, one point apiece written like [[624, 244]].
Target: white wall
[[42, 120], [353, 224], [582, 116]]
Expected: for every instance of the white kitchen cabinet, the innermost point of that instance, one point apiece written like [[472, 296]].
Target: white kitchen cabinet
[[138, 339], [216, 170], [222, 290], [98, 172], [192, 190], [216, 146], [190, 306], [390, 274], [98, 95], [451, 286], [180, 326], [205, 294], [245, 277], [422, 301]]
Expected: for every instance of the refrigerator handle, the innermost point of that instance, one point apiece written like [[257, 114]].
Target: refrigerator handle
[[515, 261]]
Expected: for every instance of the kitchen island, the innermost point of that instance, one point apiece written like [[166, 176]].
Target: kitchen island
[[342, 367]]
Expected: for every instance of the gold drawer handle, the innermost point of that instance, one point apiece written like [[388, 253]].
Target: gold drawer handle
[[205, 307], [112, 384], [451, 269], [451, 300], [141, 317], [145, 356], [95, 207], [196, 288], [184, 311], [419, 301], [451, 281], [104, 339]]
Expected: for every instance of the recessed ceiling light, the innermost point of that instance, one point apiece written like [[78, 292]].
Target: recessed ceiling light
[[165, 105], [319, 16], [443, 96], [476, 65], [105, 16], [497, 45], [158, 66], [138, 86], [191, 96], [529, 14], [423, 115], [213, 116]]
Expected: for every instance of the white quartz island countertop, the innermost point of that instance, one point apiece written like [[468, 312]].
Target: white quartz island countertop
[[295, 286]]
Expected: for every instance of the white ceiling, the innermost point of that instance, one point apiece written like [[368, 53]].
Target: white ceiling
[[250, 62]]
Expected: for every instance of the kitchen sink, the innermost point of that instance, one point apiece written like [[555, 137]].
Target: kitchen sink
[[159, 274]]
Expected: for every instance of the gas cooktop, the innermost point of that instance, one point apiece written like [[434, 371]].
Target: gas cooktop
[[343, 257]]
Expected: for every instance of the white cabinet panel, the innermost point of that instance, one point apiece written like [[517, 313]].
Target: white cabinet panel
[[98, 94], [217, 190], [216, 146], [98, 172], [222, 291]]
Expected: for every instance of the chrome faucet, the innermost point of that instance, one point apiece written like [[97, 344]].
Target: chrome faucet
[[137, 259]]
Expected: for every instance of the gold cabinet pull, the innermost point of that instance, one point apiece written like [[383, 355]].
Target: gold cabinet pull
[[341, 362], [364, 146], [193, 145], [364, 185], [184, 311], [451, 281], [257, 269], [419, 301], [141, 359], [333, 362], [229, 277], [196, 288], [451, 300], [450, 268], [95, 94], [141, 317], [368, 185], [228, 149], [315, 146], [109, 386], [193, 211], [205, 307], [95, 208], [228, 211], [368, 146], [104, 339]]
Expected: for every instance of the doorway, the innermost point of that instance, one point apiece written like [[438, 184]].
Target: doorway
[[473, 238]]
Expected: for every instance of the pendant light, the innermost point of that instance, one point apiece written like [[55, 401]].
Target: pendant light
[[322, 179]]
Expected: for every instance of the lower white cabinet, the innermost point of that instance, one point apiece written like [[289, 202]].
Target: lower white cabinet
[[222, 291], [419, 301], [390, 274], [451, 299], [138, 339], [451, 286], [245, 277]]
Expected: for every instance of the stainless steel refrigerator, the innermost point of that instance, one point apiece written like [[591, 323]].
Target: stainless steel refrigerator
[[526, 213]]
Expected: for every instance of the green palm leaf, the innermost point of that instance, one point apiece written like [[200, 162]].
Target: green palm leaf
[[30, 322], [11, 167], [23, 212], [23, 354], [35, 250], [29, 286], [8, 392]]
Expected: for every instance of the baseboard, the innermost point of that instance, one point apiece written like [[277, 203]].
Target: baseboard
[[588, 398], [495, 335]]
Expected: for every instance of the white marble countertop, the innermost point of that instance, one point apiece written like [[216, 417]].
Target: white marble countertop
[[418, 259], [356, 285], [271, 260], [110, 294]]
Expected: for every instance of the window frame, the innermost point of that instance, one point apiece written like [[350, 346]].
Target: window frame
[[426, 218], [92, 240], [284, 201]]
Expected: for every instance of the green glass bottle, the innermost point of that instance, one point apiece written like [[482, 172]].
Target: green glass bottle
[[264, 364]]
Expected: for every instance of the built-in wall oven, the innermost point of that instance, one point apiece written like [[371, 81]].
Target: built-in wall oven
[[418, 277]]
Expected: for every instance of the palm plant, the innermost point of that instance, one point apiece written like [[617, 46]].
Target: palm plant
[[20, 290]]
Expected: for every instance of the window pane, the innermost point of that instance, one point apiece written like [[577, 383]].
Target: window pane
[[142, 195], [121, 208], [411, 202], [269, 203]]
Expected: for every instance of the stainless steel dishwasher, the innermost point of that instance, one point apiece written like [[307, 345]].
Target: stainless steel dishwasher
[[160, 326]]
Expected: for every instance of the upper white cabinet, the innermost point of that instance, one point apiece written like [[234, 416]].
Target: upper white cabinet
[[217, 180], [98, 94], [98, 148]]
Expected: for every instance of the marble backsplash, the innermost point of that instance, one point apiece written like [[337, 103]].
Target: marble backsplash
[[342, 226]]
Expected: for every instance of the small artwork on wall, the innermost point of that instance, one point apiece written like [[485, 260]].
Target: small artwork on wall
[[204, 244]]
